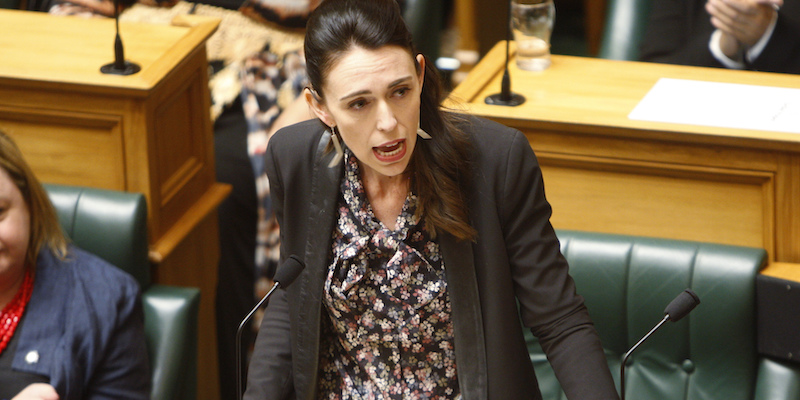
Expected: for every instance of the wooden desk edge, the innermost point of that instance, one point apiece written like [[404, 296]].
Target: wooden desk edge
[[199, 211], [200, 29], [783, 270], [479, 77]]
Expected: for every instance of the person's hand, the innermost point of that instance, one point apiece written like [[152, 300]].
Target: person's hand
[[37, 391], [741, 22]]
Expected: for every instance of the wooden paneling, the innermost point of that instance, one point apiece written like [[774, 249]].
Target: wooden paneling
[[676, 203], [61, 144]]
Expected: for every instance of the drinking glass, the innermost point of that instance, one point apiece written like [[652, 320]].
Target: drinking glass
[[532, 24]]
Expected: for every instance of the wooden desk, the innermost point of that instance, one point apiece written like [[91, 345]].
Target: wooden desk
[[606, 173], [149, 132]]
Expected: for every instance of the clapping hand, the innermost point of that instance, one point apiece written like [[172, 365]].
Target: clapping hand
[[741, 22], [37, 391]]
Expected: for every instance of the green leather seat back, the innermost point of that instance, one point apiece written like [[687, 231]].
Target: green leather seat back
[[109, 224], [628, 281], [113, 225], [170, 323], [624, 28]]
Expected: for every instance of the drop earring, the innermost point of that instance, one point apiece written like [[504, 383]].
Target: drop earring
[[337, 158], [423, 134]]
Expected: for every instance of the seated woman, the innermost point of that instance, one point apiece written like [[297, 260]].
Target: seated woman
[[71, 325], [425, 237]]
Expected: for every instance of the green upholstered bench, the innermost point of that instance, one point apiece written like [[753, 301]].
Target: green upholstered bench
[[113, 225], [711, 354]]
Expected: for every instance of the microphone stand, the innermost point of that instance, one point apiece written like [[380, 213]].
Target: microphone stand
[[625, 358], [286, 273], [506, 97], [119, 66], [244, 322], [677, 309]]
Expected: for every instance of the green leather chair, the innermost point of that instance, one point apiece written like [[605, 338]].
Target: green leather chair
[[624, 28], [113, 225], [710, 354]]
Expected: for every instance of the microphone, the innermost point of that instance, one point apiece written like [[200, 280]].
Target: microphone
[[284, 277], [677, 309], [119, 66], [506, 97]]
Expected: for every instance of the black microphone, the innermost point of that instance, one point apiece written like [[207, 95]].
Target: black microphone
[[119, 66], [284, 277], [506, 97], [677, 309]]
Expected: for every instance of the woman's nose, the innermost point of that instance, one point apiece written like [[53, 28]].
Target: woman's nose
[[386, 117]]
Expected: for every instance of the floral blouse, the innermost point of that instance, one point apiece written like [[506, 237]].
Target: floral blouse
[[390, 332]]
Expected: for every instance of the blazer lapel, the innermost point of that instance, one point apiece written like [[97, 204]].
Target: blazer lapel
[[322, 217], [467, 316]]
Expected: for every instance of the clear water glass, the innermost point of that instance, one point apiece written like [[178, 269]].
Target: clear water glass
[[532, 24]]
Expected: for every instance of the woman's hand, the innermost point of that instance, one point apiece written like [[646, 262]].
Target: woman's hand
[[37, 391], [741, 22]]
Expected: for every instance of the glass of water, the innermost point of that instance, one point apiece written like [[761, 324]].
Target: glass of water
[[532, 24]]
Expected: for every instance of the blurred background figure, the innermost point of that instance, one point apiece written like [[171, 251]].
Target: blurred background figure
[[761, 35]]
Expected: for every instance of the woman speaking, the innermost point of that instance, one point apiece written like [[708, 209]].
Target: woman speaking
[[425, 234]]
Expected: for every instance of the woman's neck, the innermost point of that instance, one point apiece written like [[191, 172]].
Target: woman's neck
[[9, 286], [386, 195]]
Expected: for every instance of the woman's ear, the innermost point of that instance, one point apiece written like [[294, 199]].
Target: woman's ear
[[318, 107]]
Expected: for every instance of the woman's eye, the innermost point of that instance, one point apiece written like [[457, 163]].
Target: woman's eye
[[401, 92], [357, 105]]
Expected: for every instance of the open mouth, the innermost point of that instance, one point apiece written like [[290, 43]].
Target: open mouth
[[390, 152]]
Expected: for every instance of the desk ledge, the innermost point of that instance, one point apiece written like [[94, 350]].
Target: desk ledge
[[199, 211], [783, 270]]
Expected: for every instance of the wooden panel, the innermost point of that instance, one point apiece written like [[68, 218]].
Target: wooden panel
[[671, 203], [183, 165], [180, 162], [787, 196], [68, 148]]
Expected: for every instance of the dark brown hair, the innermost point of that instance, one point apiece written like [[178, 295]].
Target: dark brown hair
[[45, 230], [441, 165]]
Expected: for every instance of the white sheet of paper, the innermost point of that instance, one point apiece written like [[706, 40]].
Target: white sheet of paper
[[727, 105]]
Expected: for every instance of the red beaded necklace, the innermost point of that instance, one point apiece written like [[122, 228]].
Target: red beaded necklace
[[12, 313]]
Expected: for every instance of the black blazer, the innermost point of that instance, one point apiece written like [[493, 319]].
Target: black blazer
[[678, 32], [515, 258]]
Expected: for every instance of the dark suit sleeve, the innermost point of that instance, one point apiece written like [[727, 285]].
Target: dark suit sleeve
[[678, 32], [782, 53], [549, 304], [269, 375], [123, 371]]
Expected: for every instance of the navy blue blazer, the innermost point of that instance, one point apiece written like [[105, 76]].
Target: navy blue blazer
[[84, 329], [516, 258]]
